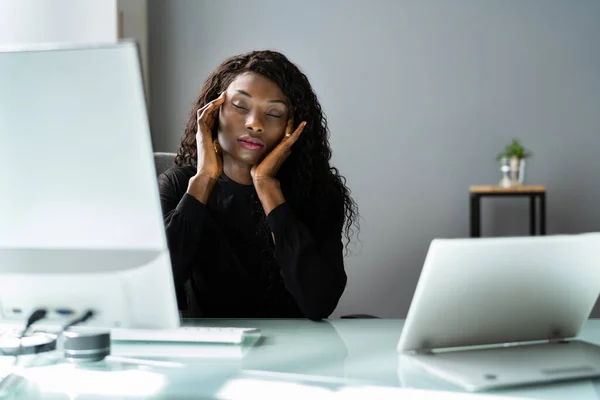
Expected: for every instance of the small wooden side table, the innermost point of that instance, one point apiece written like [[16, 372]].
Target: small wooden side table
[[533, 192]]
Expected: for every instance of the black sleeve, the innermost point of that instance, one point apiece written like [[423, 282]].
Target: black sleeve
[[184, 218], [313, 272]]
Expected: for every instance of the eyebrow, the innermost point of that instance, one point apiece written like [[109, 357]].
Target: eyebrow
[[270, 101]]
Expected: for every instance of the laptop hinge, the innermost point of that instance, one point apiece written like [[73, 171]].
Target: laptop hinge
[[424, 352], [557, 340]]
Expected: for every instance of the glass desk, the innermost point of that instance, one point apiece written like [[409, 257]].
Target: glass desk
[[346, 358]]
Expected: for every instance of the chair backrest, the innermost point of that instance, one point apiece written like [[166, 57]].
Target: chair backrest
[[163, 161]]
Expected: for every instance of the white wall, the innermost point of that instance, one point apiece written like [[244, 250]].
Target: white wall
[[45, 21], [75, 21], [133, 24]]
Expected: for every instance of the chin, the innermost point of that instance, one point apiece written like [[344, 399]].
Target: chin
[[249, 159]]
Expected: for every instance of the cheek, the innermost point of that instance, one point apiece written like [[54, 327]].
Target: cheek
[[224, 124], [228, 122], [275, 136], [224, 135]]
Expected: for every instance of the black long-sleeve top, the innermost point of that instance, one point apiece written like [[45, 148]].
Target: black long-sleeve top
[[226, 264]]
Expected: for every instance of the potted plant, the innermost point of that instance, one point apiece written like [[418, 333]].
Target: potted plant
[[516, 154]]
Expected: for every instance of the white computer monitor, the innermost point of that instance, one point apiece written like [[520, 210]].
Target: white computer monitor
[[80, 220]]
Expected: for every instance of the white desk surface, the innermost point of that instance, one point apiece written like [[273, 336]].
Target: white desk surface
[[295, 359]]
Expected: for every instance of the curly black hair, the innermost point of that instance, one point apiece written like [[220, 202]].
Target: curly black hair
[[312, 187]]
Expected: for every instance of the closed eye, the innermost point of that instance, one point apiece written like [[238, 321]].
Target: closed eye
[[239, 107], [278, 116]]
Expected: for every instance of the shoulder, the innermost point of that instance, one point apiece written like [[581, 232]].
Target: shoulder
[[176, 173], [176, 177]]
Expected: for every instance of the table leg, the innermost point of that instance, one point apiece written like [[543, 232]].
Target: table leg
[[532, 215], [543, 214], [475, 215]]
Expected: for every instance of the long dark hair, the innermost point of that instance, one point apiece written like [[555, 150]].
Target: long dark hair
[[313, 188]]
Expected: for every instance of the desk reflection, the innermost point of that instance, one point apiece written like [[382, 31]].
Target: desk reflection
[[288, 351], [297, 358]]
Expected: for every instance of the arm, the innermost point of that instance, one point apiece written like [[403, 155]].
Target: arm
[[184, 218], [313, 272]]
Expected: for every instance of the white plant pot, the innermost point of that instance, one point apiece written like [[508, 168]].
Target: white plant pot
[[517, 171], [522, 171]]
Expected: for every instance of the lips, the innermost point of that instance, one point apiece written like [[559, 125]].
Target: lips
[[251, 143]]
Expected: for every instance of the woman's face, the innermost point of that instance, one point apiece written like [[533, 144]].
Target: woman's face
[[253, 118]]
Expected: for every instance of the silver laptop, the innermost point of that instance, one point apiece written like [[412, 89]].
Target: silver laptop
[[497, 312]]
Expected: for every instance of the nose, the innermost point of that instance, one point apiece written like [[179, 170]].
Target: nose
[[254, 123]]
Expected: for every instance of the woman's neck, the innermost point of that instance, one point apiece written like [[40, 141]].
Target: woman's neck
[[237, 171]]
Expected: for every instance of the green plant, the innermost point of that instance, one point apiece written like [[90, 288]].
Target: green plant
[[515, 149]]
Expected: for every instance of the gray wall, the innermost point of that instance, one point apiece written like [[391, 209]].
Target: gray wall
[[421, 95]]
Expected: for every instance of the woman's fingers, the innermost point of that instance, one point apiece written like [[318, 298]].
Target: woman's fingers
[[219, 100], [291, 138], [206, 115], [283, 150]]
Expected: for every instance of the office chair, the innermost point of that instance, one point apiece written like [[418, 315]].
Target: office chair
[[164, 160]]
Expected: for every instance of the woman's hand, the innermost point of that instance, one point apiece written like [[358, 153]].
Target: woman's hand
[[210, 161], [267, 169], [263, 174]]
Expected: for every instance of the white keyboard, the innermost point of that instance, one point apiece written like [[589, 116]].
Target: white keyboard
[[186, 334], [10, 332]]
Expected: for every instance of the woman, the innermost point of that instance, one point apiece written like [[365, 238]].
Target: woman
[[254, 213]]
